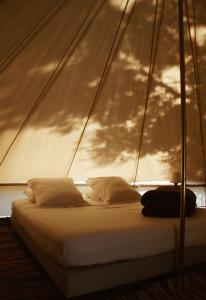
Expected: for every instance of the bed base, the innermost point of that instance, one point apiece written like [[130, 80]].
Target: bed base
[[76, 281]]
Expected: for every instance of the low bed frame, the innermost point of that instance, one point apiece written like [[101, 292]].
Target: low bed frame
[[77, 281]]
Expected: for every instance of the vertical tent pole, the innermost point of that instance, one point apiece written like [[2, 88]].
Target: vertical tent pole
[[183, 141]]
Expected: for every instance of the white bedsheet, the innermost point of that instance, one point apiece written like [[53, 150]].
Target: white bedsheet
[[82, 236]]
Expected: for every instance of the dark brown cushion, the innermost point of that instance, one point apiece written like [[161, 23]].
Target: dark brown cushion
[[166, 203]]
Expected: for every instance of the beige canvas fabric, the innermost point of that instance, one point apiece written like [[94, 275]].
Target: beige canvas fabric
[[52, 58]]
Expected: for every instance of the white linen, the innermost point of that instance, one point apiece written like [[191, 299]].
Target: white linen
[[113, 189], [92, 198], [56, 192], [82, 236], [30, 194]]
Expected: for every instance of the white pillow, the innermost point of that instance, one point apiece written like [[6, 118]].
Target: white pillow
[[113, 189], [56, 192], [92, 197], [30, 194]]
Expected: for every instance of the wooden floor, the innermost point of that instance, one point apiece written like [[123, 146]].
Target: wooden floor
[[21, 277]]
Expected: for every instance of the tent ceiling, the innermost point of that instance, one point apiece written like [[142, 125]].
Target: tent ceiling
[[52, 57]]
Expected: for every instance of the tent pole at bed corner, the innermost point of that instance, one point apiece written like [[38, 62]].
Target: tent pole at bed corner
[[183, 143]]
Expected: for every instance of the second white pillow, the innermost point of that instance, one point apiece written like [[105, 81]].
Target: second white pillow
[[113, 189]]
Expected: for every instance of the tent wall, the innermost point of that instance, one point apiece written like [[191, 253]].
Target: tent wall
[[52, 59]]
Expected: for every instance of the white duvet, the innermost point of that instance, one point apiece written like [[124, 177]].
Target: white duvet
[[82, 236]]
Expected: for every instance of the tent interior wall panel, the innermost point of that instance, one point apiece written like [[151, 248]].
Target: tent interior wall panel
[[42, 119]]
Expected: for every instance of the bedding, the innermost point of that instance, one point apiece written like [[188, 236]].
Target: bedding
[[166, 203], [55, 192], [94, 235], [113, 189], [92, 197], [177, 189], [30, 194]]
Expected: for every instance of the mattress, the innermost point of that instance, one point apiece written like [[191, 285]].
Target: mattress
[[93, 235]]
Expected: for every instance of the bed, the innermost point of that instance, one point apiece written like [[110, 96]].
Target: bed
[[92, 248]]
